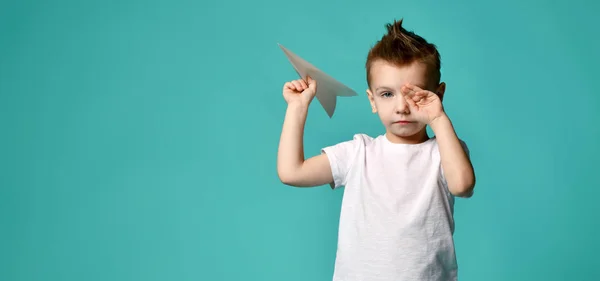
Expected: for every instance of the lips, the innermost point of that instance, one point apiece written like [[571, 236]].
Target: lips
[[403, 122]]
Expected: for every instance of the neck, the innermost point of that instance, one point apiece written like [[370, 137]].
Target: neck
[[414, 139]]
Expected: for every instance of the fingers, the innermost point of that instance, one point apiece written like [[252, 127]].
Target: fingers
[[410, 89], [300, 85], [417, 96], [414, 93], [303, 84], [411, 104], [414, 97], [289, 85]]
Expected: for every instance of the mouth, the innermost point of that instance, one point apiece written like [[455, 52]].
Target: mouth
[[403, 122]]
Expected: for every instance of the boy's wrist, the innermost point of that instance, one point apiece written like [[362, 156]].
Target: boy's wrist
[[296, 111], [297, 106], [440, 121]]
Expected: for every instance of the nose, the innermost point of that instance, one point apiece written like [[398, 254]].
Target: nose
[[401, 106]]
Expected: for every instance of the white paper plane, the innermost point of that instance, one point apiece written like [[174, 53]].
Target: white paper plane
[[328, 89]]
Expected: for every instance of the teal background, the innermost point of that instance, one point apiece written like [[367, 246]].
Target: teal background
[[139, 138]]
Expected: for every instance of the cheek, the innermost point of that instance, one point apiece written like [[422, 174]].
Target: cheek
[[386, 108], [381, 103]]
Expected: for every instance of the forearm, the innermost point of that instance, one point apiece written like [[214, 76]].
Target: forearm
[[457, 167], [290, 155]]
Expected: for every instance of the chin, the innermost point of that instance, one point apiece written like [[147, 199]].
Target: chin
[[406, 131]]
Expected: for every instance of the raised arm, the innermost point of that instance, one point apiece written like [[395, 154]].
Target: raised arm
[[457, 167], [427, 107], [292, 168]]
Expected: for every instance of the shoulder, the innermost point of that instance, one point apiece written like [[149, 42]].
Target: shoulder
[[363, 139], [357, 141], [349, 149], [343, 155]]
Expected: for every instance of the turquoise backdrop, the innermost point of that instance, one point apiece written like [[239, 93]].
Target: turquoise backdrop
[[139, 138]]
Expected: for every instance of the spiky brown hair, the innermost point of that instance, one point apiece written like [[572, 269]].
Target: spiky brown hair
[[402, 47]]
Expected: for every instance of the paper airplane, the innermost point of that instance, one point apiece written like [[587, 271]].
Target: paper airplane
[[328, 89]]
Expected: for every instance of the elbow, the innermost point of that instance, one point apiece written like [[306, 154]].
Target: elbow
[[465, 192], [290, 174], [463, 187], [286, 177]]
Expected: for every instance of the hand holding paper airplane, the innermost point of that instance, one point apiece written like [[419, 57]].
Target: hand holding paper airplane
[[328, 89], [300, 90]]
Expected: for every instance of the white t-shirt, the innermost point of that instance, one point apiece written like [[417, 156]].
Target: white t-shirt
[[396, 220]]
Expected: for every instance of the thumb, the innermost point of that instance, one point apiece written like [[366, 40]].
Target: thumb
[[312, 84]]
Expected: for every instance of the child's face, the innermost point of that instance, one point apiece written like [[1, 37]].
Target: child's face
[[387, 100]]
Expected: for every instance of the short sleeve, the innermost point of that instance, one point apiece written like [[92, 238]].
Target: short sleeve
[[341, 158]]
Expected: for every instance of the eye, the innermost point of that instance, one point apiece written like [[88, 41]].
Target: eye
[[386, 94]]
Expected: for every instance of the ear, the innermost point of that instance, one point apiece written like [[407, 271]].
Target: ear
[[441, 89], [372, 101]]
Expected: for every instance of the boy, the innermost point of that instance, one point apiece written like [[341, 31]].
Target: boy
[[396, 220]]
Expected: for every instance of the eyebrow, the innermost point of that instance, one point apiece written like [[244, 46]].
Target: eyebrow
[[382, 88], [390, 89]]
